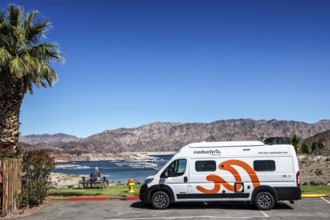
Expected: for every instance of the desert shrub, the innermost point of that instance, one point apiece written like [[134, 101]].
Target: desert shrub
[[37, 166], [318, 172], [305, 148], [10, 151]]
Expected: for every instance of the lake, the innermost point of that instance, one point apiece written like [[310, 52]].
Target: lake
[[110, 170]]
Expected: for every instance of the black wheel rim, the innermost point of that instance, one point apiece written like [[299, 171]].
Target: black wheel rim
[[264, 201], [160, 200]]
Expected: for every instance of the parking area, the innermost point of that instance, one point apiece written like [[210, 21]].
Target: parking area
[[311, 208]]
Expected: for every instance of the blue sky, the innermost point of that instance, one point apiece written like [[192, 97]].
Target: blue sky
[[133, 62]]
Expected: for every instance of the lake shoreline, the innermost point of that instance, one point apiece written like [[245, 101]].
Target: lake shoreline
[[70, 169], [66, 157]]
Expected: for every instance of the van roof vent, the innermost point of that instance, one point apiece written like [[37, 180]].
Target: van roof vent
[[277, 140]]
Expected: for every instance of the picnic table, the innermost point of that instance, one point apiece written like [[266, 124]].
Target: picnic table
[[88, 183]]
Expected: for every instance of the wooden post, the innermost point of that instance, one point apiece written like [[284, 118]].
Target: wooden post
[[11, 184], [5, 187], [1, 188], [19, 182], [15, 186]]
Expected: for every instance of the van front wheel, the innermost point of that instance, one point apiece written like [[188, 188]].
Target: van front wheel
[[264, 201], [160, 200]]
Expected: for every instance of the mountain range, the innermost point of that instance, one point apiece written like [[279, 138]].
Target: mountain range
[[47, 138], [167, 136]]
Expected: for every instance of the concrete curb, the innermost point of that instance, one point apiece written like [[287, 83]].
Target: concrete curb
[[89, 198], [132, 198], [313, 195]]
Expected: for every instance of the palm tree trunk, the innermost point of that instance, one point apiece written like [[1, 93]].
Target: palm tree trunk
[[11, 97]]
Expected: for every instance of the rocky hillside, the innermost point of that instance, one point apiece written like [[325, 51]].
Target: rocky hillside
[[314, 170], [320, 143], [161, 136]]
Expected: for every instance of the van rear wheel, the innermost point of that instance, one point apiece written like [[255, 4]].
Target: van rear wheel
[[160, 200], [264, 201]]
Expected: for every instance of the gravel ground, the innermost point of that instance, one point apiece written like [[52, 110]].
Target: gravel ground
[[314, 170]]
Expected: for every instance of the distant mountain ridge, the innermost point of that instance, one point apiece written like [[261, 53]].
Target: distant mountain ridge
[[47, 138], [167, 136]]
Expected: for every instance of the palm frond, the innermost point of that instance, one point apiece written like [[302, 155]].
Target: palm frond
[[32, 64], [19, 37], [48, 75], [37, 31], [5, 57], [12, 29], [28, 22], [17, 66], [46, 52], [29, 17], [14, 14], [27, 85], [2, 17], [5, 33]]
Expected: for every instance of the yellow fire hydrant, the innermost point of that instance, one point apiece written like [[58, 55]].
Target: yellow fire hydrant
[[130, 185]]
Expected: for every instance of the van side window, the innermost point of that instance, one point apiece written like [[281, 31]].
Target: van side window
[[205, 165], [264, 165], [177, 168]]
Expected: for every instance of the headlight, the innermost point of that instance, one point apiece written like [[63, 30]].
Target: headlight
[[147, 181]]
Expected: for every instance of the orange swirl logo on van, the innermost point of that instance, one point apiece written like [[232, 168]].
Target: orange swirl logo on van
[[228, 166]]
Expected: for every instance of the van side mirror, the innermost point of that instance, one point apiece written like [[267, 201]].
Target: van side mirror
[[164, 174]]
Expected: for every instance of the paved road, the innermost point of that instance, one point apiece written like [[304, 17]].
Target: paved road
[[312, 208]]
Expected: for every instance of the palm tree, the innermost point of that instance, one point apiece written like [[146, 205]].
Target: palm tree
[[24, 64], [295, 142]]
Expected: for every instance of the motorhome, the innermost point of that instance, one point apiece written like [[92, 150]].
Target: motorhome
[[226, 171]]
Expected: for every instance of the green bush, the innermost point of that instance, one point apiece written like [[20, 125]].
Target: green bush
[[37, 166], [305, 148], [295, 142], [10, 152]]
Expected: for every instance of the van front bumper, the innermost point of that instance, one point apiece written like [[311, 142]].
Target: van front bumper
[[144, 193]]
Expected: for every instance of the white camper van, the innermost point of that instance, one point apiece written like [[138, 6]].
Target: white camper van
[[226, 171]]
